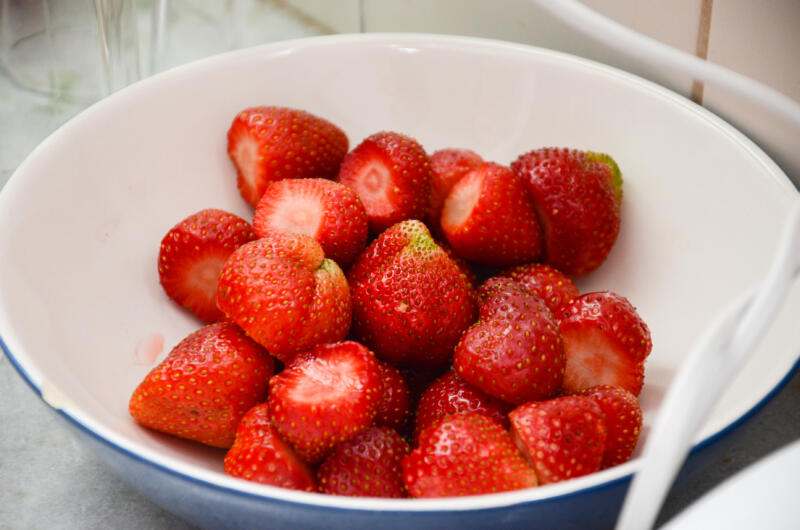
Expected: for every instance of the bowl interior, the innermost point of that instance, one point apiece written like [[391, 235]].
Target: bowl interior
[[81, 310]]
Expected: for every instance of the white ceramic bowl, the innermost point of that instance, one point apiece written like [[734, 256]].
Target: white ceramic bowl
[[80, 223]]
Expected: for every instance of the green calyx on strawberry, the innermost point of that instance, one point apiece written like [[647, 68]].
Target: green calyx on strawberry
[[191, 257], [465, 454], [285, 294], [577, 196], [410, 301], [259, 454], [325, 396], [514, 351], [190, 395], [267, 144], [605, 341], [561, 438], [391, 174]]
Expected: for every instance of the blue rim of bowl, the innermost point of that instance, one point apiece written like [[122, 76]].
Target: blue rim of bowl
[[660, 90]]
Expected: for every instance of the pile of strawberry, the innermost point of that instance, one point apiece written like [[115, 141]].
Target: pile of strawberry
[[397, 324]]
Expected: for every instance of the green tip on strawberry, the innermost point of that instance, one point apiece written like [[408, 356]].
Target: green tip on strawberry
[[367, 465], [410, 301], [514, 351], [551, 285], [325, 396], [623, 417], [267, 144], [260, 455], [188, 394], [488, 218], [577, 197], [391, 173], [606, 343], [561, 438], [465, 454], [191, 257], [285, 294], [329, 212]]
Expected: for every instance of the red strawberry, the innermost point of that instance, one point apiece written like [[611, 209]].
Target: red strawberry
[[623, 418], [605, 341], [450, 395], [325, 210], [284, 293], [367, 465], [325, 396], [577, 196], [191, 257], [514, 351], [267, 144], [448, 166], [394, 409], [488, 218], [561, 438], [189, 395], [391, 174], [260, 455], [549, 284], [462, 264], [410, 301], [465, 454]]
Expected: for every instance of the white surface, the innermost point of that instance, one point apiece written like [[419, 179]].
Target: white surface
[[162, 149], [762, 496]]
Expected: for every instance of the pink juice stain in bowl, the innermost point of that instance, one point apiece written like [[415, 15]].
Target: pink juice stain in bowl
[[148, 349]]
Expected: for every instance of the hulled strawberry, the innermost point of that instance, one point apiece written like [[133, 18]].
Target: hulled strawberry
[[189, 395], [267, 144], [577, 195], [514, 351], [448, 166], [328, 211], [606, 343], [391, 174], [191, 257], [410, 301], [551, 285], [450, 394], [325, 396], [394, 409], [561, 438], [623, 418], [285, 294], [260, 455], [367, 465], [465, 454], [488, 218]]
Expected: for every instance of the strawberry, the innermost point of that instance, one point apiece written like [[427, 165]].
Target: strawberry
[[462, 264], [267, 144], [410, 301], [514, 351], [394, 409], [325, 396], [391, 174], [488, 218], [366, 465], [623, 418], [325, 210], [549, 284], [577, 196], [284, 293], [561, 438], [260, 455], [447, 166], [450, 394], [191, 257], [465, 454], [606, 343], [189, 393]]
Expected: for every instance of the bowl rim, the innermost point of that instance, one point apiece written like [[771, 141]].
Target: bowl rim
[[214, 479]]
